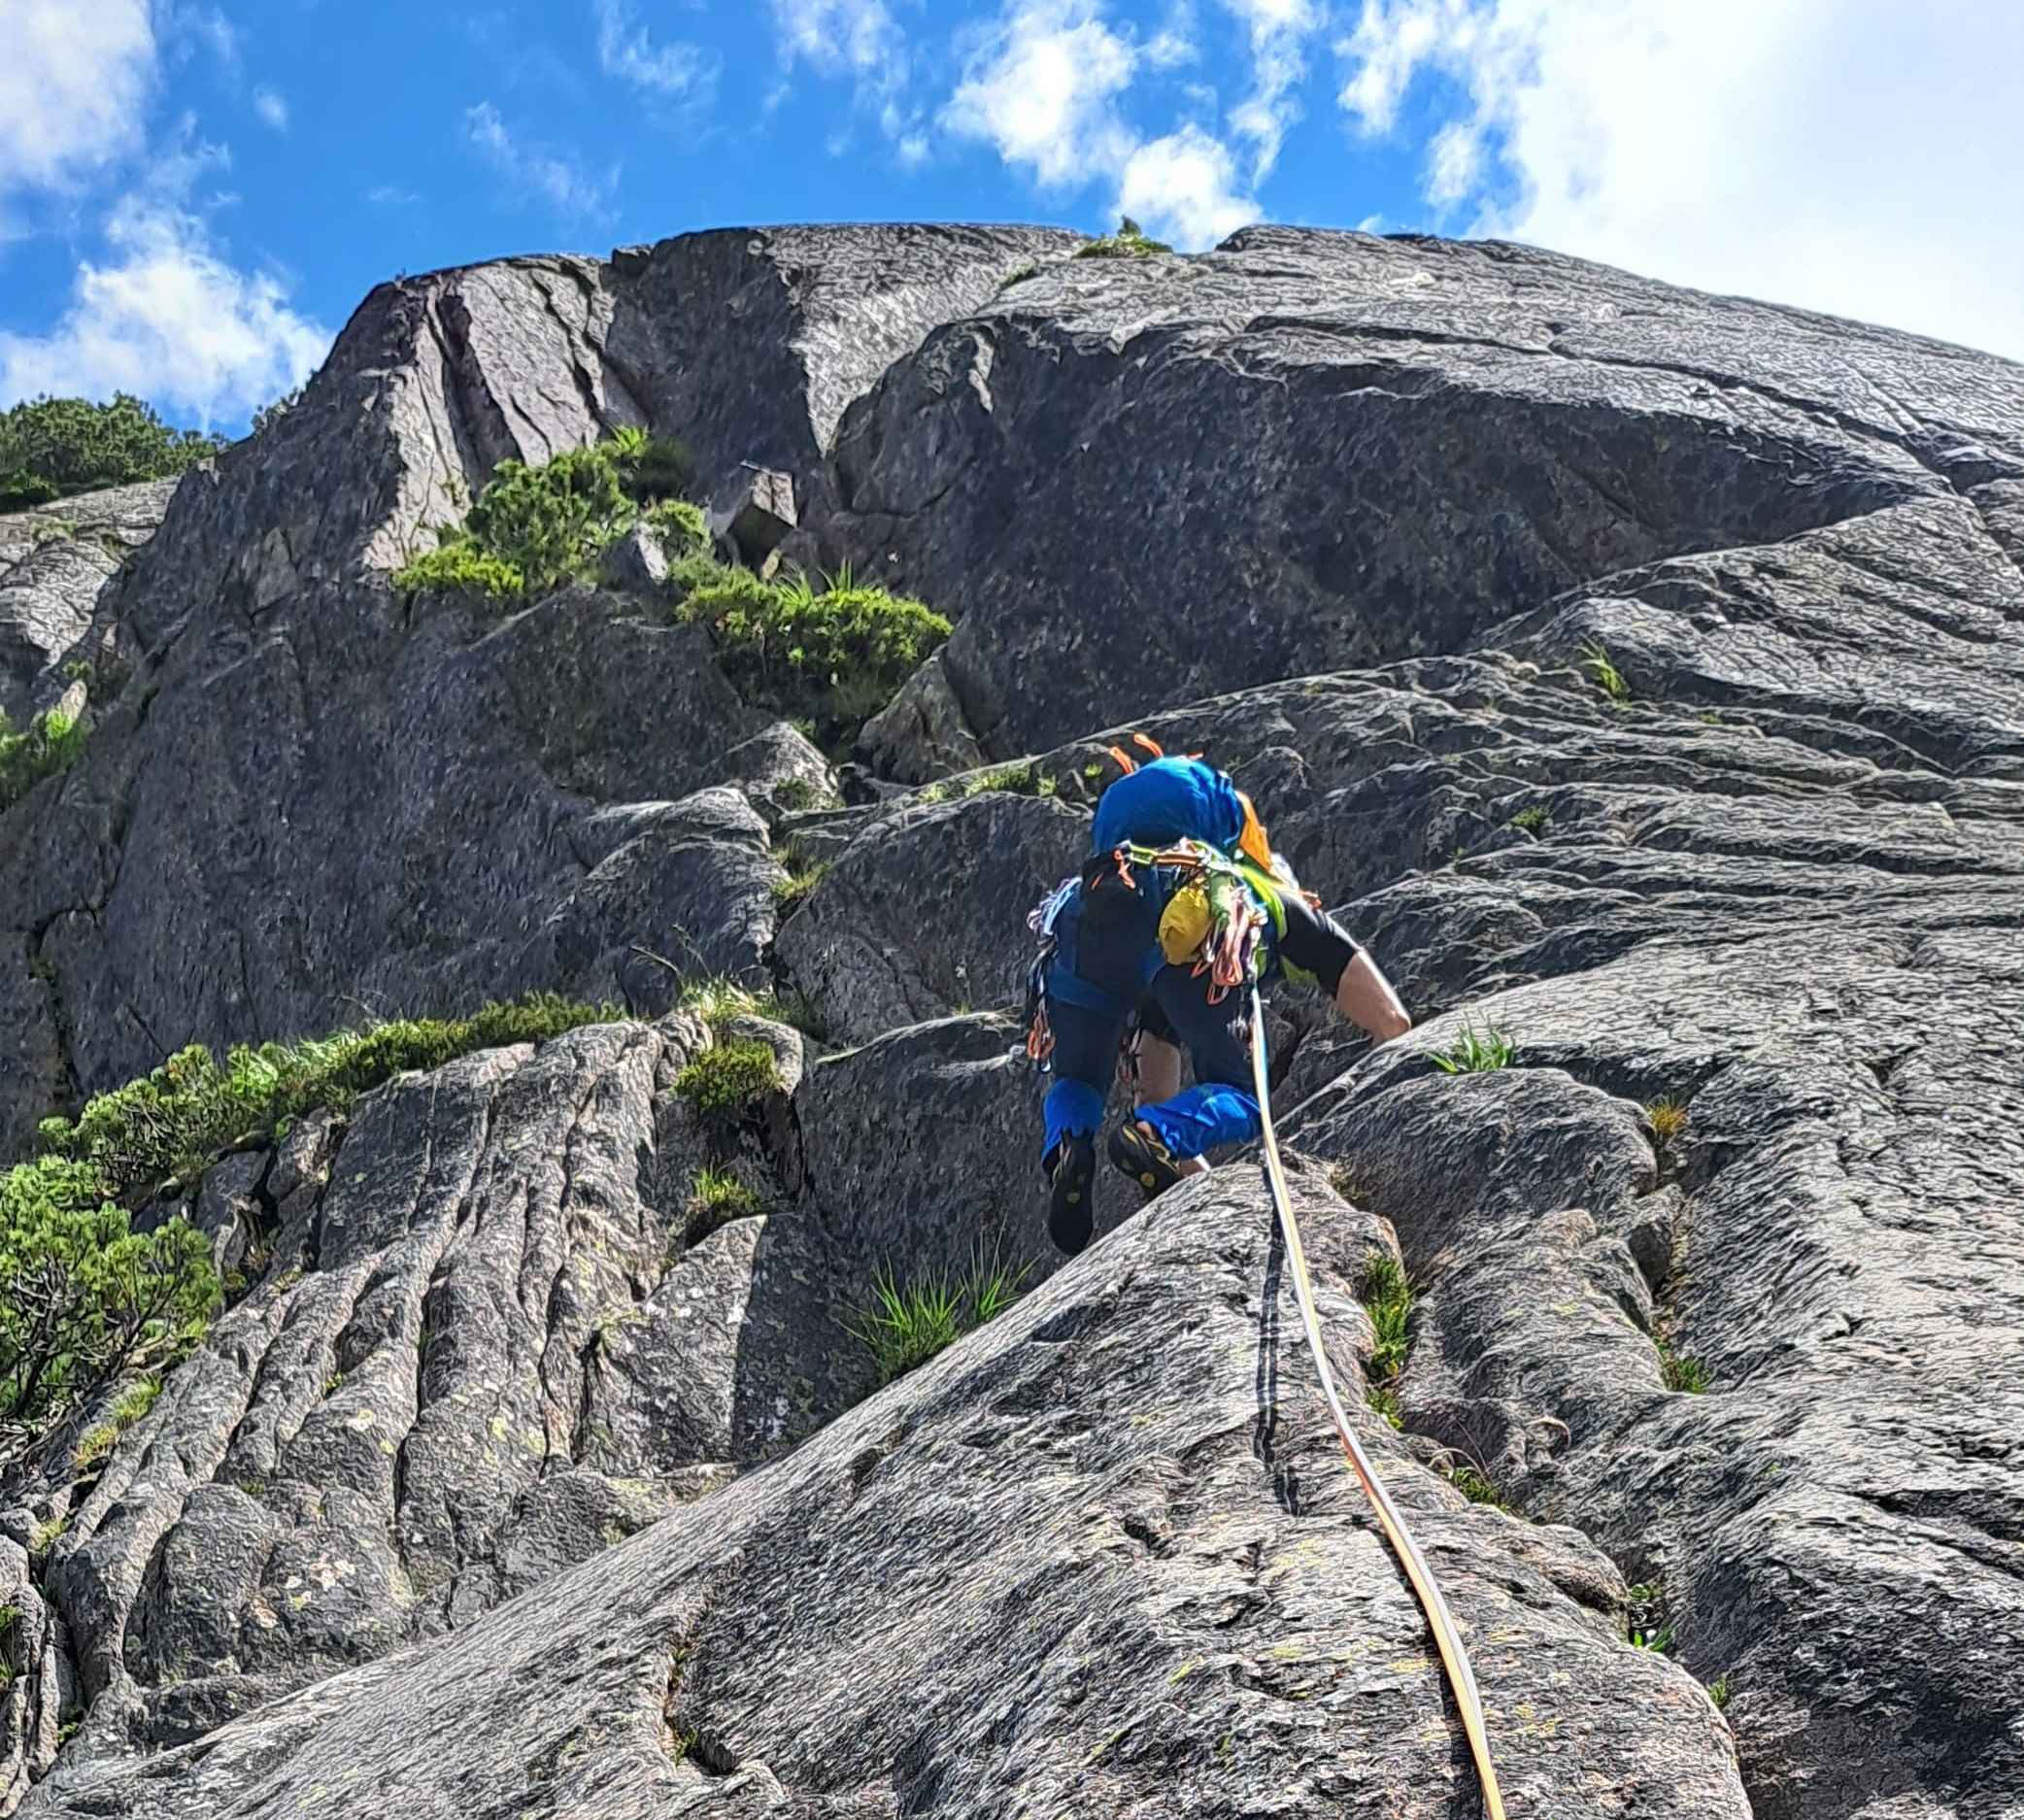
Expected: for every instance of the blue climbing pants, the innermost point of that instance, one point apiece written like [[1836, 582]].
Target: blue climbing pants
[[1097, 980]]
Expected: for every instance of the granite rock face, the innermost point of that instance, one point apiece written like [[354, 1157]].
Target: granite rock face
[[55, 562], [1639, 674], [1148, 1618], [1151, 477]]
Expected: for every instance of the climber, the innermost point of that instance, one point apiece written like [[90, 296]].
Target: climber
[[1181, 900]]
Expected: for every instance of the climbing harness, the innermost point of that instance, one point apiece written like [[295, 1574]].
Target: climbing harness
[[1453, 1657]]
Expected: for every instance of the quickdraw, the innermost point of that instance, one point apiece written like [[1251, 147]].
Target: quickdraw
[[1446, 1638], [1230, 952]]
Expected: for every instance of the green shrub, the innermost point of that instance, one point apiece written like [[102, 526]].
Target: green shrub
[[836, 657], [908, 1324], [1129, 241], [1024, 779], [170, 1125], [725, 1082], [1718, 1693], [459, 566], [269, 414], [53, 446], [534, 529], [653, 469], [1533, 819], [21, 490], [51, 744], [1477, 1052], [681, 528], [549, 522], [84, 1299], [1476, 1486]]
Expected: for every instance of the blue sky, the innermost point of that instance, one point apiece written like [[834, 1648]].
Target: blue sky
[[195, 194]]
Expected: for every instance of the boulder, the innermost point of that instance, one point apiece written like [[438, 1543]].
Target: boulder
[[921, 733], [754, 511]]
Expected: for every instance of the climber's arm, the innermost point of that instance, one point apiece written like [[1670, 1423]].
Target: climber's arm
[[1364, 996], [1317, 944]]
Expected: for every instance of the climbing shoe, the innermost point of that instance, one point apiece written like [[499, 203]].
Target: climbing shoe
[[1136, 1151], [1071, 1175]]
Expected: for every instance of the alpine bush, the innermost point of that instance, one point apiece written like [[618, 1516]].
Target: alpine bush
[[1129, 241], [172, 1124], [836, 655], [534, 529], [50, 743], [53, 447], [459, 566], [84, 1299]]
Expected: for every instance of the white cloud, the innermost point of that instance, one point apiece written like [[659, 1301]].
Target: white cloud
[[1173, 44], [74, 84], [858, 36], [167, 318], [1042, 89], [1454, 161], [1849, 156], [272, 107], [1045, 87], [1280, 30], [184, 25], [1184, 189], [558, 177], [680, 72], [392, 197]]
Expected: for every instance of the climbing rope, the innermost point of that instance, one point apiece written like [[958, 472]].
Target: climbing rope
[[1446, 1637]]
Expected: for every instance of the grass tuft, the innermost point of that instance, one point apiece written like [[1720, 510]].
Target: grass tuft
[[1476, 1485], [1718, 1693], [1387, 1296], [727, 1083], [1686, 1375], [49, 744], [1477, 1052], [717, 1002], [1533, 820], [716, 1198], [1668, 1119], [799, 883], [909, 1323], [1602, 667], [797, 795]]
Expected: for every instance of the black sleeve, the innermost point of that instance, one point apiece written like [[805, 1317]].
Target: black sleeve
[[1315, 942]]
